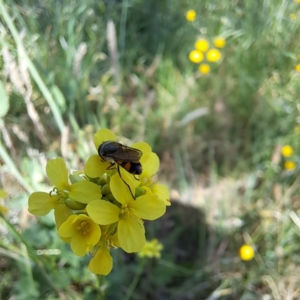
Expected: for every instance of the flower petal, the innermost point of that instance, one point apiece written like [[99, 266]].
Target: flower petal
[[61, 213], [150, 167], [120, 190], [149, 207], [78, 245], [145, 148], [102, 262], [103, 135], [131, 235], [162, 192], [85, 191], [103, 212], [57, 172], [95, 167], [67, 229], [94, 235], [41, 203]]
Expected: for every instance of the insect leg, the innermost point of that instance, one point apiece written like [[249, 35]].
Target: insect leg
[[118, 167]]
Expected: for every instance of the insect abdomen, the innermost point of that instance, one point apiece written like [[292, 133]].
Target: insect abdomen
[[134, 168]]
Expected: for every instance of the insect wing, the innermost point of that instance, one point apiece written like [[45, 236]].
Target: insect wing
[[117, 151]]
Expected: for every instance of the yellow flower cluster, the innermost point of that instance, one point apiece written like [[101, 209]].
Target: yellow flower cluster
[[203, 51], [151, 249], [297, 67], [103, 207], [288, 151]]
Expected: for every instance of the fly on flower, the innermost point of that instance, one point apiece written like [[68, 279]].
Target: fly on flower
[[124, 156]]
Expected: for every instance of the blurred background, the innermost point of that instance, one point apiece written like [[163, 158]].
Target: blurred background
[[225, 125]]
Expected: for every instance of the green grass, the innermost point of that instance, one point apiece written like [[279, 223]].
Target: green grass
[[224, 168]]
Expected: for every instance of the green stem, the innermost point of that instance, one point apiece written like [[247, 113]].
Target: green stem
[[14, 170], [135, 279], [33, 71]]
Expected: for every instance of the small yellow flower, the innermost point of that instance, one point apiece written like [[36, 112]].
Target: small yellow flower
[[219, 42], [128, 214], [191, 15], [213, 55], [293, 16], [204, 68], [202, 45], [64, 196], [246, 252], [297, 67], [151, 249], [298, 1], [83, 233], [287, 150], [196, 56], [290, 165]]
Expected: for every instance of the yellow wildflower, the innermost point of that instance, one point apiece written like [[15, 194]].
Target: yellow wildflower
[[127, 212], [290, 165], [293, 17], [246, 252], [219, 42], [196, 56], [83, 233], [297, 67], [202, 45], [204, 68], [64, 197], [213, 55], [287, 150], [151, 249], [191, 15]]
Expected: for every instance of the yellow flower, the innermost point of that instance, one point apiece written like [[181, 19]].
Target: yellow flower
[[151, 249], [202, 45], [102, 262], [287, 150], [213, 55], [41, 203], [293, 16], [64, 197], [127, 212], [298, 1], [297, 67], [204, 68], [196, 56], [219, 42], [290, 165], [83, 233], [246, 252], [191, 15]]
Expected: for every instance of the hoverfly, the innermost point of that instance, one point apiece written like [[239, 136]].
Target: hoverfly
[[124, 156]]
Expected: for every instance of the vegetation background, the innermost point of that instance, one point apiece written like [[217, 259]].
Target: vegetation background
[[69, 68]]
